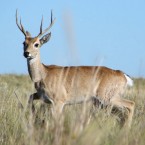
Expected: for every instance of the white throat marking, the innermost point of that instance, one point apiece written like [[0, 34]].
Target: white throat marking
[[31, 61]]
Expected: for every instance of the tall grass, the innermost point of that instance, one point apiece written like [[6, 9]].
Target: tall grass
[[19, 127]]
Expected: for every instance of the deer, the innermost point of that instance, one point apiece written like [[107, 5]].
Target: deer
[[62, 85]]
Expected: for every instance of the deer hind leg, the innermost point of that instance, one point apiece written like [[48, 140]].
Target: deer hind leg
[[123, 103]]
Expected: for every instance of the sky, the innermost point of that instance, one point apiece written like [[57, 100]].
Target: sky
[[109, 33]]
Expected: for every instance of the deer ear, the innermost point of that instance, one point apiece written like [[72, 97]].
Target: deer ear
[[45, 38], [28, 34]]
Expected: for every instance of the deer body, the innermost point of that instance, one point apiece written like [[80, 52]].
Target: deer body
[[67, 85], [73, 83]]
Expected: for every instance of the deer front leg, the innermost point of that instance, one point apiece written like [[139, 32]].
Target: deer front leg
[[37, 96], [34, 96]]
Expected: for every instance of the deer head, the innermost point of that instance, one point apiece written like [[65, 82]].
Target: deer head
[[33, 44]]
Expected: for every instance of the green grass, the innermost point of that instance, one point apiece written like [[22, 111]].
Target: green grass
[[19, 127]]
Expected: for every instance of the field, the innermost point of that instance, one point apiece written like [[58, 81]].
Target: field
[[19, 127]]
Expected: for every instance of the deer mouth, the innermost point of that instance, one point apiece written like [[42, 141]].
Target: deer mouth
[[28, 55]]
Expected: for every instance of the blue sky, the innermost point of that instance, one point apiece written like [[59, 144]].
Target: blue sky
[[92, 32]]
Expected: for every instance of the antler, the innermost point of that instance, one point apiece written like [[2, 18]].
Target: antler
[[20, 26], [51, 24]]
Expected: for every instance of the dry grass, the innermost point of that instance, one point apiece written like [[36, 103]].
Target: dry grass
[[19, 127]]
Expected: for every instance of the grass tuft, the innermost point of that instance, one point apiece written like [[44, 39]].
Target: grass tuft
[[76, 125]]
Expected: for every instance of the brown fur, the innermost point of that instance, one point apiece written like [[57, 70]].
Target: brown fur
[[67, 85]]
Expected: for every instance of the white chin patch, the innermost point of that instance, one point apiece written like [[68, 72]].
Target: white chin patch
[[129, 80], [32, 60], [30, 55]]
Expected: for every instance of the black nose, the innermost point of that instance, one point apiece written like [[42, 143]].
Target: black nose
[[26, 54]]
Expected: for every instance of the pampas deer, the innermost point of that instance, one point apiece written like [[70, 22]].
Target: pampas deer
[[67, 85]]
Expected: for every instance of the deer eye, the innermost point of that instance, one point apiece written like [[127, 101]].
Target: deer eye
[[36, 45]]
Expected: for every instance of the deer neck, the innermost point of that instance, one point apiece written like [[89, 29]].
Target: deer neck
[[36, 69]]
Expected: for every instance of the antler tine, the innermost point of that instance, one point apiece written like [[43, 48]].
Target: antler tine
[[41, 26], [51, 24], [20, 26], [51, 16]]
